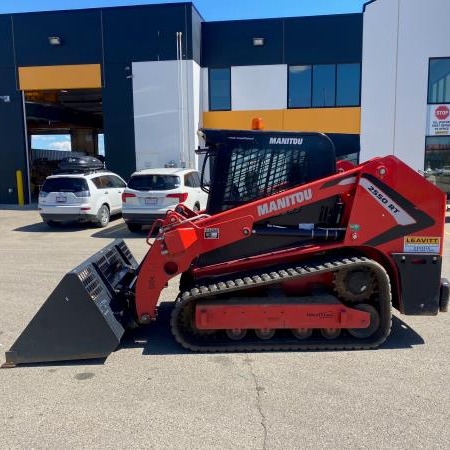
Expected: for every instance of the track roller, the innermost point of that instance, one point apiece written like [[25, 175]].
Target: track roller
[[236, 334], [302, 333], [265, 333], [363, 333], [330, 333]]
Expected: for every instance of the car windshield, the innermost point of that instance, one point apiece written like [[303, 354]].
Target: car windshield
[[154, 182], [65, 185]]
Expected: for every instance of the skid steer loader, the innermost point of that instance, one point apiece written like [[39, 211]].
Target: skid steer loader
[[294, 252]]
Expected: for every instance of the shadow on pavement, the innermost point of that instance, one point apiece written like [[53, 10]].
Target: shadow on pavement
[[402, 336], [120, 231], [30, 207], [157, 339], [41, 227]]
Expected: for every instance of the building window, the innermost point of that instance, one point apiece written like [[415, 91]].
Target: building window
[[437, 153], [326, 85], [439, 80], [299, 88], [437, 161], [220, 89], [348, 84]]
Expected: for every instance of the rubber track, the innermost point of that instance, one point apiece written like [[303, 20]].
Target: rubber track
[[213, 343]]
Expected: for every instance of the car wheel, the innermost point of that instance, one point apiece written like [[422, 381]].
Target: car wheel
[[52, 223], [134, 227], [103, 216]]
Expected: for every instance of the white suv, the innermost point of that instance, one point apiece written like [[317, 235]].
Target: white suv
[[82, 197], [151, 192]]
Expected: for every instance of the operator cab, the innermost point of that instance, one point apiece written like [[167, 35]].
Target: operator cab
[[247, 165]]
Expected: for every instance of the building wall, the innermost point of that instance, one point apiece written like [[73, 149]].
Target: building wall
[[259, 75], [12, 134], [395, 75], [112, 38]]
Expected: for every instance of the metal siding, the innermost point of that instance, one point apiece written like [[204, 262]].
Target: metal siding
[[13, 150], [325, 120], [259, 87], [79, 76], [145, 33], [323, 39], [309, 40], [196, 36], [80, 32], [230, 43], [6, 45], [118, 119]]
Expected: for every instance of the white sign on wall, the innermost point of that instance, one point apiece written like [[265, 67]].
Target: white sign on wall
[[438, 120]]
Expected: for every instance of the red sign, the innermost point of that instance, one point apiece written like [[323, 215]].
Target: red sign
[[442, 112]]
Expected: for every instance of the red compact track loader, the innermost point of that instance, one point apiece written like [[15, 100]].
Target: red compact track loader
[[294, 251]]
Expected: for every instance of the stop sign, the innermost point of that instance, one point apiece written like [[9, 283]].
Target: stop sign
[[442, 112]]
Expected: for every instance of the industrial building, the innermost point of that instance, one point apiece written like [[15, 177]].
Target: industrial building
[[146, 78]]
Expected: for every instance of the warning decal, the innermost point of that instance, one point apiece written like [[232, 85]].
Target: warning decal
[[419, 244]]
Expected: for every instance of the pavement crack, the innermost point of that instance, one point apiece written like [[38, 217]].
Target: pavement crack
[[259, 389]]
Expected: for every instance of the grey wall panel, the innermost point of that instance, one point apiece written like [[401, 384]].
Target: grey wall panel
[[230, 43], [118, 119], [6, 45], [196, 35], [12, 134], [145, 33], [80, 32], [323, 39]]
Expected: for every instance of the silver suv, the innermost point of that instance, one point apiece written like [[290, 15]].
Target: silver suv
[[88, 197], [152, 192]]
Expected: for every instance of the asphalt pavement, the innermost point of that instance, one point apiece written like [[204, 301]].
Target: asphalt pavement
[[152, 394]]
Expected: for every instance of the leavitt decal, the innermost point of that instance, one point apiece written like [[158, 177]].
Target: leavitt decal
[[421, 244]]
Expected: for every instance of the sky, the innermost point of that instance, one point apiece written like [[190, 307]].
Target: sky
[[209, 9]]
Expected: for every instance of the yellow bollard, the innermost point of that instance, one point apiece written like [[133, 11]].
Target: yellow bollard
[[20, 196]]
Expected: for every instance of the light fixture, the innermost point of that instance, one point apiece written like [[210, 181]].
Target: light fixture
[[258, 41], [54, 40]]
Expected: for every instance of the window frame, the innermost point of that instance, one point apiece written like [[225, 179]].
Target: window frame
[[209, 90], [428, 81], [358, 105], [310, 87], [335, 85]]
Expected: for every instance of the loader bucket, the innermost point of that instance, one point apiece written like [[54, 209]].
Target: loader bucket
[[85, 316]]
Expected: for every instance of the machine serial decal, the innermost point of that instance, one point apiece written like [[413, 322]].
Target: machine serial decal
[[399, 214], [211, 233], [421, 244], [285, 141], [321, 315], [284, 202]]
